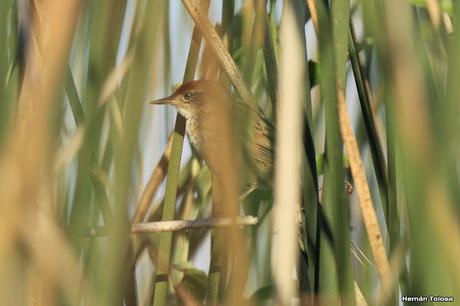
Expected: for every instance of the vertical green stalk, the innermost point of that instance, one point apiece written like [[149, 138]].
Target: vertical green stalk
[[271, 66], [450, 109], [212, 294], [228, 8], [340, 16], [335, 275], [164, 248], [326, 269]]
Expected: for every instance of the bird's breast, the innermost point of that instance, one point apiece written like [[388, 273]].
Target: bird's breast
[[204, 137], [192, 128]]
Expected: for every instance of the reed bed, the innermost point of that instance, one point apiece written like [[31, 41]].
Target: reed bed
[[103, 200]]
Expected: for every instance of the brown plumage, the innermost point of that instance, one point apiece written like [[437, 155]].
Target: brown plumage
[[200, 102]]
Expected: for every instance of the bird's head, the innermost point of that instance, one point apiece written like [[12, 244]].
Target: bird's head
[[192, 98]]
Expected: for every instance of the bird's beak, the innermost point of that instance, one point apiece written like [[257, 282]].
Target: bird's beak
[[167, 100]]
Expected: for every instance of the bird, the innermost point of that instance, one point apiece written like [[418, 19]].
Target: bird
[[210, 109]]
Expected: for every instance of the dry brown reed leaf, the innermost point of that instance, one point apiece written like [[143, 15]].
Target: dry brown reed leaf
[[362, 188], [288, 159], [154, 182], [314, 14], [360, 300]]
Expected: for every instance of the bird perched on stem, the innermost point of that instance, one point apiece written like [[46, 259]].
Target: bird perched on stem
[[201, 102]]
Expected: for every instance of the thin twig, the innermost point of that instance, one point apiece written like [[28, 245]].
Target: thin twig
[[180, 225]]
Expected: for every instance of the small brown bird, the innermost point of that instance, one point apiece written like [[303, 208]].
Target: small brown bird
[[200, 102]]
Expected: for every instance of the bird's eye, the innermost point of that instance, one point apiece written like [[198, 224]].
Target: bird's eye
[[188, 96]]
